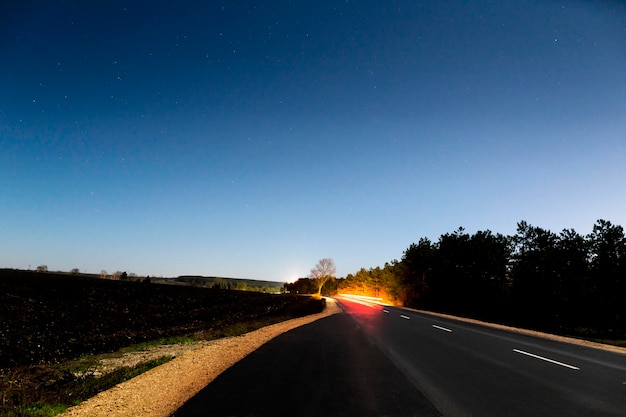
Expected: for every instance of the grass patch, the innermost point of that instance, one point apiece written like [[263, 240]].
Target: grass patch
[[303, 307], [59, 389], [37, 410], [89, 386], [238, 329], [87, 364], [173, 340]]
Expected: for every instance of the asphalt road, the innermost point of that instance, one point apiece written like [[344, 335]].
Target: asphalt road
[[471, 370], [385, 361], [326, 368]]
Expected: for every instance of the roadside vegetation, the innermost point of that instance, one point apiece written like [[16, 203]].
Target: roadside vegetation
[[270, 287], [48, 390], [563, 283], [55, 328]]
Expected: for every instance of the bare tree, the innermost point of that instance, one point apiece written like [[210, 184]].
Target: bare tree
[[42, 268], [323, 271], [104, 274]]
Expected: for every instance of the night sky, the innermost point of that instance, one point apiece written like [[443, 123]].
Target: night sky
[[251, 139]]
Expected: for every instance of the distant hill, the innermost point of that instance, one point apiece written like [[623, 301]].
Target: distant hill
[[231, 283]]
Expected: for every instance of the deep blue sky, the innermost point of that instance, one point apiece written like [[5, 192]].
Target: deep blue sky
[[251, 139]]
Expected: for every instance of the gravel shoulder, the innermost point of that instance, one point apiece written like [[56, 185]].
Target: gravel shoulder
[[162, 390]]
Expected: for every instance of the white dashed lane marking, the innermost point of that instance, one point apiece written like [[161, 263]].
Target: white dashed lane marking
[[532, 355], [442, 328]]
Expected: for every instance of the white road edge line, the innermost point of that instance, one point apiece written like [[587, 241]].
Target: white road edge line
[[442, 328], [532, 355], [405, 317]]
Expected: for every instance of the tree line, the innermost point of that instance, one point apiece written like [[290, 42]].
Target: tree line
[[559, 282]]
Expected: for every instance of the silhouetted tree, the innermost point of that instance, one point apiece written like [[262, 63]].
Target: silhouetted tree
[[556, 282], [535, 286], [574, 282], [391, 281], [608, 274], [487, 286], [301, 286], [417, 264], [322, 272], [450, 284]]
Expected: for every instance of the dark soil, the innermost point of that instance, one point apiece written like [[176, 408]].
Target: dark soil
[[48, 318]]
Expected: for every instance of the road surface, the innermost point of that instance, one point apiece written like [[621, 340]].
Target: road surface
[[471, 370], [326, 368], [385, 361]]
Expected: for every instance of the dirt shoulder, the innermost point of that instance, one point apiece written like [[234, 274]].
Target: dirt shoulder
[[162, 390]]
